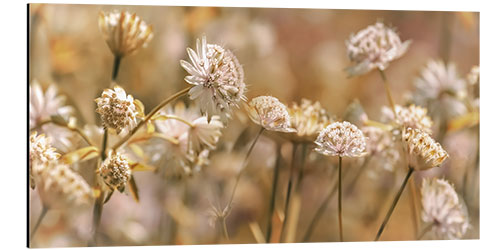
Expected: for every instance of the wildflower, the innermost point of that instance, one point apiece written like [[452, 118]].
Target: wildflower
[[61, 187], [440, 89], [217, 77], [270, 113], [423, 151], [374, 47], [308, 119], [442, 207], [341, 138], [124, 32], [115, 171], [41, 152], [410, 117], [117, 109]]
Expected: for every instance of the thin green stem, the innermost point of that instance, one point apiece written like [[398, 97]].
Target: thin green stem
[[340, 200], [288, 190], [388, 92], [394, 203], [38, 222], [273, 193], [149, 116]]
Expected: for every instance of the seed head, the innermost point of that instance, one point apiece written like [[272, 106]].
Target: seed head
[[115, 171], [423, 151], [341, 139], [270, 113], [117, 109]]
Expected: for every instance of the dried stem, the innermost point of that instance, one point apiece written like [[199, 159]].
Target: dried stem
[[149, 116], [288, 190], [273, 193], [394, 202], [38, 222], [340, 200], [388, 92]]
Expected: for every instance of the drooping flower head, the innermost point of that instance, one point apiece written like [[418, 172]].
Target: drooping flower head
[[409, 117], [442, 207], [374, 47], [341, 139], [217, 77], [61, 187], [117, 109], [270, 113], [115, 171], [424, 152], [308, 119], [124, 32]]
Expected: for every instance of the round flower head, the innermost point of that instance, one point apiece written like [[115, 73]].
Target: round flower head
[[440, 89], [270, 113], [308, 119], [341, 139], [61, 187], [217, 77], [124, 32], [374, 47], [442, 207], [410, 117], [424, 152], [115, 171], [41, 152], [117, 109]]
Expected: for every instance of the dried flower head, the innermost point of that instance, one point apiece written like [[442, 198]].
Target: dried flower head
[[217, 77], [341, 138], [61, 187], [374, 47], [424, 152], [409, 117], [442, 207], [440, 89], [124, 32], [41, 152], [270, 113], [115, 171], [117, 109], [308, 119]]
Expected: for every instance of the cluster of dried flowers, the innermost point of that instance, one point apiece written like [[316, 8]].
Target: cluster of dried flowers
[[184, 135]]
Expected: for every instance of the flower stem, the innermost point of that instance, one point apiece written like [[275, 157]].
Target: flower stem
[[72, 129], [288, 190], [96, 218], [414, 214], [425, 230], [149, 116], [340, 199], [38, 222], [388, 92], [116, 67], [394, 202], [104, 144], [273, 193]]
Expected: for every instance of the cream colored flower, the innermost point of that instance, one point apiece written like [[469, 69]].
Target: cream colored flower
[[217, 77], [374, 47], [442, 207], [60, 187], [409, 117], [115, 171], [308, 119], [40, 153], [341, 139], [270, 113], [205, 134], [117, 109], [124, 32], [424, 152]]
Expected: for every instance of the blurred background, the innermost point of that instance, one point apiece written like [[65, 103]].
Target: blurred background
[[288, 53]]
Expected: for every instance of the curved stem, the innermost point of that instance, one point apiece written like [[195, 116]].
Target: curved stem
[[149, 116], [288, 190], [273, 194], [340, 200], [388, 92], [174, 117], [38, 222], [394, 202]]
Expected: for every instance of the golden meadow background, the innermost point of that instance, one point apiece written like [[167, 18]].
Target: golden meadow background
[[288, 53]]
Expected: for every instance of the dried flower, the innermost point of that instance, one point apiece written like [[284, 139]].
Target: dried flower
[[270, 113], [374, 47], [117, 109], [217, 77], [409, 117], [440, 89], [61, 187], [44, 105], [115, 171], [41, 152], [423, 151], [124, 32], [341, 138], [442, 207], [308, 119], [204, 133]]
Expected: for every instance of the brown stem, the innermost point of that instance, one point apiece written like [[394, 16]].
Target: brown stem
[[340, 200], [104, 144], [426, 230], [116, 67], [412, 200], [394, 202], [149, 116], [273, 193]]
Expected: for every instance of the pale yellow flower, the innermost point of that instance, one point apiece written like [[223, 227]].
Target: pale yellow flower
[[423, 151]]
